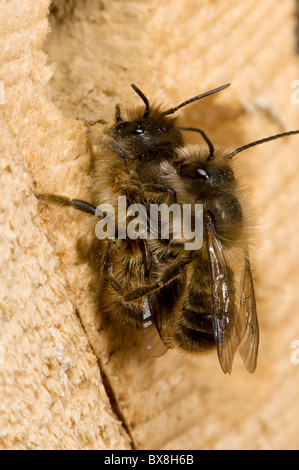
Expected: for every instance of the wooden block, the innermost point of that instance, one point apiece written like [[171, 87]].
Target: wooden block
[[58, 350]]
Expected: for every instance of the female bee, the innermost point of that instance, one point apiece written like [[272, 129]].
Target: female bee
[[194, 299]]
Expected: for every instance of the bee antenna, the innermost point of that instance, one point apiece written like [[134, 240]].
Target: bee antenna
[[144, 99], [261, 141], [117, 113], [195, 98], [205, 137]]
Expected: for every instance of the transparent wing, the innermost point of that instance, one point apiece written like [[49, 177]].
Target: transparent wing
[[223, 299], [247, 320], [150, 317], [153, 340]]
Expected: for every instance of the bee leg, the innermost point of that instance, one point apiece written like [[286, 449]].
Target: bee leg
[[157, 188], [137, 293], [147, 187], [169, 275], [89, 124], [108, 267], [64, 201]]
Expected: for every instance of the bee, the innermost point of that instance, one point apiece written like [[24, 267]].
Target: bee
[[192, 299]]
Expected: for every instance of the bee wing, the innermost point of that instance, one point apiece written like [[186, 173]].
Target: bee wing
[[223, 299], [153, 340], [248, 322]]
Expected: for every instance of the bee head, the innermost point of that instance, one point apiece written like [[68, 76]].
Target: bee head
[[146, 132], [212, 182], [208, 175], [150, 132]]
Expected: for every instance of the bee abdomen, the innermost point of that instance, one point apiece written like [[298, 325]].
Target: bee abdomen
[[194, 340], [198, 321]]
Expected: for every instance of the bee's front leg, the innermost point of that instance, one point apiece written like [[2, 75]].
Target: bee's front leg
[[64, 201], [169, 275]]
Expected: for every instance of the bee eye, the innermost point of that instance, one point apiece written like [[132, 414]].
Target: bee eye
[[203, 174], [138, 131]]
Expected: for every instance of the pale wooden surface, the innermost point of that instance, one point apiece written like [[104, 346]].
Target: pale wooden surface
[[175, 402]]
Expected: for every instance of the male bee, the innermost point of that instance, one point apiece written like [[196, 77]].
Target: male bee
[[195, 299]]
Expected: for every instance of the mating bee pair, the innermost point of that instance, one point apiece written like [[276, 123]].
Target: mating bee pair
[[192, 299]]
